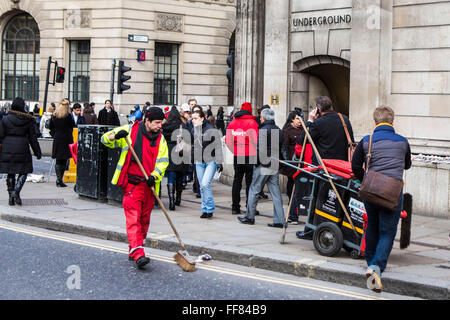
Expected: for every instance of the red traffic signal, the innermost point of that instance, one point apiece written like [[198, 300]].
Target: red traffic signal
[[140, 54], [60, 72]]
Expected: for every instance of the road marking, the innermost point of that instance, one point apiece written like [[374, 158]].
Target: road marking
[[296, 283]]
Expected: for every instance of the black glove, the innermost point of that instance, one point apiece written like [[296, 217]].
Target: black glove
[[121, 134], [219, 167], [151, 181]]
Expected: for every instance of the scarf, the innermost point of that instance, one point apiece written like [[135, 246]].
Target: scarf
[[142, 131]]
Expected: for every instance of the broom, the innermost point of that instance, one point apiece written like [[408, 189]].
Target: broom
[[182, 258], [283, 234]]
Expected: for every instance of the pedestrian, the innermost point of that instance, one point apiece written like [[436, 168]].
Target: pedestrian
[[61, 129], [17, 134], [137, 113], [138, 201], [220, 121], [78, 118], [192, 103], [38, 116], [327, 132], [270, 140], [207, 156], [391, 155], [242, 139], [291, 132], [108, 116], [176, 169], [89, 113], [208, 111], [262, 194], [44, 126]]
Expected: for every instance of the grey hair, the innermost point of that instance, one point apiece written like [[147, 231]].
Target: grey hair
[[268, 114]]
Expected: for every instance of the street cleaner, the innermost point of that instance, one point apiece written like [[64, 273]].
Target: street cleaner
[[138, 200]]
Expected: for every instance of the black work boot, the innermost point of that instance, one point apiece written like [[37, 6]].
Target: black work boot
[[171, 192], [11, 183], [59, 170], [178, 192], [19, 185]]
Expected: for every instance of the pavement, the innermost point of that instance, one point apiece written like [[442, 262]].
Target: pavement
[[421, 270]]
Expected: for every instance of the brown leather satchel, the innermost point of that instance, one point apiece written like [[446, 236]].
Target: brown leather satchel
[[351, 145], [379, 188]]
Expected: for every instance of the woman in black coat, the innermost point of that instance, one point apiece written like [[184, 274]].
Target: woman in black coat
[[220, 123], [175, 171], [17, 134], [61, 127]]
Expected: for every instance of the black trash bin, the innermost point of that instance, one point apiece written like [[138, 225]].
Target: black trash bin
[[114, 193], [92, 162]]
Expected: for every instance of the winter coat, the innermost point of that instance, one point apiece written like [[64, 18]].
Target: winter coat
[[204, 142], [61, 130], [167, 129], [108, 118], [17, 134], [90, 116], [80, 120], [45, 131], [242, 136], [266, 142], [291, 135], [220, 123]]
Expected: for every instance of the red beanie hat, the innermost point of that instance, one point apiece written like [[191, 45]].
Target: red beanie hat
[[247, 106]]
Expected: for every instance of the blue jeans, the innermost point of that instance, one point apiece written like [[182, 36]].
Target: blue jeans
[[380, 234], [174, 176], [205, 173]]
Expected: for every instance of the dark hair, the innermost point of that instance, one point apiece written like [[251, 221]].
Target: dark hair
[[76, 106], [174, 115], [198, 107], [291, 116], [92, 104], [324, 103], [266, 106], [200, 113], [86, 104], [220, 109], [107, 101]]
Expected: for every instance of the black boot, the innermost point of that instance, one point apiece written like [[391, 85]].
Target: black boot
[[59, 170], [171, 192], [19, 185], [178, 191], [11, 183]]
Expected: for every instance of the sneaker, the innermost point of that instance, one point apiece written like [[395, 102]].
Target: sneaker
[[142, 261], [292, 221], [373, 280]]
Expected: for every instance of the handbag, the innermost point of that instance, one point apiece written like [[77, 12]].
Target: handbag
[[351, 145], [378, 188], [181, 144]]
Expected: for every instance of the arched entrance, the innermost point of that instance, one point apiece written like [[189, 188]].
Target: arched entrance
[[326, 75], [20, 58]]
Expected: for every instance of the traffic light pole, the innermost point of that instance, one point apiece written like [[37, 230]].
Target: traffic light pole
[[47, 82], [111, 90]]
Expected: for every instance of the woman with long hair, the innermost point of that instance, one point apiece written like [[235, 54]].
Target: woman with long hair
[[45, 121], [206, 163], [175, 171], [61, 127], [17, 134]]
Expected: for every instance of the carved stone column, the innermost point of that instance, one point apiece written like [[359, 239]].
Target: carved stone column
[[249, 56]]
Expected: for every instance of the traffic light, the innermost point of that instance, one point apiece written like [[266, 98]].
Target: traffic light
[[60, 72], [230, 72], [121, 86]]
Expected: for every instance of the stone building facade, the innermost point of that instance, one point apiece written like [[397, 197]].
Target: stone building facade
[[362, 54], [186, 43]]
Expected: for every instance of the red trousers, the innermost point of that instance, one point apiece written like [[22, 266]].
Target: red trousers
[[138, 201]]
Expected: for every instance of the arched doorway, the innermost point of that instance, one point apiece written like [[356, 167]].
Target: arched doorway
[[20, 58], [326, 75]]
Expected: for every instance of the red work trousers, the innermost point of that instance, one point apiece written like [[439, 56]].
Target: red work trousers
[[138, 201]]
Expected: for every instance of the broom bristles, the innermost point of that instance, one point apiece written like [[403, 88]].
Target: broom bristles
[[185, 262], [405, 229]]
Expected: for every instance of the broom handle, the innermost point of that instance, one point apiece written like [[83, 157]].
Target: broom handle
[[329, 179], [127, 138]]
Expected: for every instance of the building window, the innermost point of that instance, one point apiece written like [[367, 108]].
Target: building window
[[166, 74], [20, 59], [79, 70]]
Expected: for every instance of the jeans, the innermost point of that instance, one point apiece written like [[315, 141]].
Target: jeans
[[241, 170], [174, 176], [380, 234], [262, 176], [205, 173]]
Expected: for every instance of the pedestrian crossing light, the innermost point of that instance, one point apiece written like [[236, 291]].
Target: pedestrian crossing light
[[122, 78], [60, 72]]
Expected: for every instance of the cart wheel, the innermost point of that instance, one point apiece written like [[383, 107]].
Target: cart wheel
[[354, 254], [328, 239]]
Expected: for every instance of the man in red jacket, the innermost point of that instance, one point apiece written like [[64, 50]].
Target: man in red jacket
[[241, 138]]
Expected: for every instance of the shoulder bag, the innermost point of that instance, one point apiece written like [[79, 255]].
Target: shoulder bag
[[378, 188], [351, 145]]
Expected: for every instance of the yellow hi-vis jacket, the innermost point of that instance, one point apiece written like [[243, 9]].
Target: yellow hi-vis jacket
[[162, 159]]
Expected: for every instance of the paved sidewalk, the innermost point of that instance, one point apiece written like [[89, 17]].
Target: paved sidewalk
[[421, 270]]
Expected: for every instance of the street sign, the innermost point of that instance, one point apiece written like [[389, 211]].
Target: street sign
[[137, 38]]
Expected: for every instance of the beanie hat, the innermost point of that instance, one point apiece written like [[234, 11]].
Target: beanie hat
[[247, 106], [18, 104], [154, 113], [166, 109]]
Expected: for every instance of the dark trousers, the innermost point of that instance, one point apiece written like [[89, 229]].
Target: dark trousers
[[241, 171]]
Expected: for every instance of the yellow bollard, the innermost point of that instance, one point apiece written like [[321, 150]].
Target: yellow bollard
[[70, 176]]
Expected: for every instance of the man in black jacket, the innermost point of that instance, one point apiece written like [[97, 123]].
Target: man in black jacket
[[76, 115], [327, 131], [108, 116]]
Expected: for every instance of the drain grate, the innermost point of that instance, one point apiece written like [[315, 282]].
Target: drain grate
[[43, 202]]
